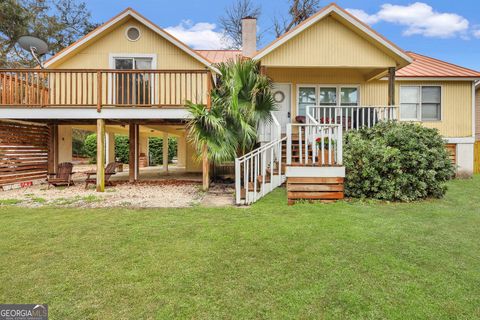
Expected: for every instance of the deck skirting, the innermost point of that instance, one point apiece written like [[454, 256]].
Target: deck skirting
[[315, 183]]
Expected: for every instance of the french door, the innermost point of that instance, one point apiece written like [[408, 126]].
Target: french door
[[133, 88]]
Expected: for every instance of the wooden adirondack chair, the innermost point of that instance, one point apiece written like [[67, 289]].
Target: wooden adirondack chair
[[63, 176], [109, 171]]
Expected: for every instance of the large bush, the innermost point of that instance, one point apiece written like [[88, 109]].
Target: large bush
[[396, 161], [155, 147], [90, 147], [121, 148]]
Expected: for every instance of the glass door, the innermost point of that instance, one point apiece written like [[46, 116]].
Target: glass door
[[133, 88]]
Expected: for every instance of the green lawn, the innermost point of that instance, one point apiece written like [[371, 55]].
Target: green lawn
[[336, 261]]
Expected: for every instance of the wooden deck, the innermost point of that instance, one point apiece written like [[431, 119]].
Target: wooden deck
[[97, 88]]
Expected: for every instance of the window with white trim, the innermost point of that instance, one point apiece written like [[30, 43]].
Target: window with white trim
[[324, 95], [420, 103]]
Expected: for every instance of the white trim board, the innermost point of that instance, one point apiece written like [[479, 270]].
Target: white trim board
[[431, 79], [144, 21], [91, 113], [315, 172], [463, 140], [322, 14]]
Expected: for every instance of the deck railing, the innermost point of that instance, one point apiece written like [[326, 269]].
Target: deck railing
[[269, 130], [314, 144], [102, 88], [259, 172], [351, 117]]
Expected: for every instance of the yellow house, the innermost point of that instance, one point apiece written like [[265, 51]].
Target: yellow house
[[131, 77]]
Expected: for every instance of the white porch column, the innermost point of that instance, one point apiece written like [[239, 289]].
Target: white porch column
[[64, 143], [110, 147], [165, 152], [181, 151]]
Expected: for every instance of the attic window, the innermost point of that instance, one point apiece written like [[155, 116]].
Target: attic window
[[132, 33]]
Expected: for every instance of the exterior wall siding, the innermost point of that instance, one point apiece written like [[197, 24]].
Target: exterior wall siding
[[456, 95], [96, 54], [328, 43], [477, 114]]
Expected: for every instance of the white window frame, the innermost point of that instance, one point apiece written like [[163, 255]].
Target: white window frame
[[317, 93], [419, 113], [113, 56]]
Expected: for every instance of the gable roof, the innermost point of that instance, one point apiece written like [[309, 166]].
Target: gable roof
[[326, 11], [122, 15], [427, 67], [217, 56]]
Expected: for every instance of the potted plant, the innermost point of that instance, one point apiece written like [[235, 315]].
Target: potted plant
[[328, 144]]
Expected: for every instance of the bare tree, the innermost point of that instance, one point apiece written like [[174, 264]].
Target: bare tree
[[231, 22], [299, 11]]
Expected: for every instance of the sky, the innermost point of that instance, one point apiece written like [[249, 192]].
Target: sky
[[444, 29]]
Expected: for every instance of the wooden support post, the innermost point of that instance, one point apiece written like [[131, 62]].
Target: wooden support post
[[100, 155], [391, 86], [205, 162], [133, 152], [165, 152], [52, 148], [205, 169]]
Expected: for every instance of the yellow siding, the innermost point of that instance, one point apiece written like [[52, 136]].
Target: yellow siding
[[456, 107], [170, 89], [328, 43], [477, 114], [456, 96], [96, 54]]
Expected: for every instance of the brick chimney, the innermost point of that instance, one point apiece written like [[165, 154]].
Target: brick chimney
[[249, 36]]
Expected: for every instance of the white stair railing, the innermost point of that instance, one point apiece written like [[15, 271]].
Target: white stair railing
[[351, 117], [259, 172], [269, 131], [316, 144]]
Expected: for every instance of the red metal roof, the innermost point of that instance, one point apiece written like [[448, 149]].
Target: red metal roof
[[217, 56], [427, 67]]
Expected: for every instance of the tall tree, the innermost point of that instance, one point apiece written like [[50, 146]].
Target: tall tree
[[231, 22], [240, 101], [58, 22], [299, 11]]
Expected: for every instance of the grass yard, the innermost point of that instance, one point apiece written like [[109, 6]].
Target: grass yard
[[337, 261]]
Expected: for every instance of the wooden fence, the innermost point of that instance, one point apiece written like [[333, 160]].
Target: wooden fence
[[23, 152]]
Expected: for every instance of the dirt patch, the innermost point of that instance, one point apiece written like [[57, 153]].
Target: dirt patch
[[151, 194]]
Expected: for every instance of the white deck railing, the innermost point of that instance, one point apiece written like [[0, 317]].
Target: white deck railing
[[351, 117], [259, 172], [269, 130], [316, 144]]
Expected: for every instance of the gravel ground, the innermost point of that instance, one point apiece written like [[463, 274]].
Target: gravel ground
[[142, 195]]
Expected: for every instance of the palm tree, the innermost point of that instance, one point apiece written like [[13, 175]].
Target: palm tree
[[241, 99]]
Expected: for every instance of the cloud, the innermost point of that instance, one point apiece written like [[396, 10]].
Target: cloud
[[476, 33], [419, 19], [201, 35], [365, 17]]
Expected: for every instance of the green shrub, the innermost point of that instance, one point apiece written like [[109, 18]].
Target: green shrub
[[155, 147], [90, 147], [396, 161], [122, 148]]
